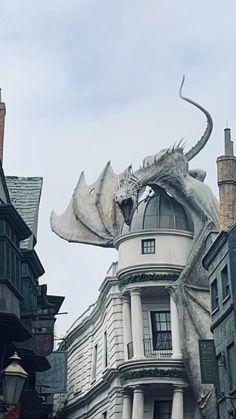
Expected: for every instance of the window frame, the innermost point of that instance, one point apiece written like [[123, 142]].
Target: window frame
[[105, 350], [148, 246], [156, 343], [214, 296], [225, 283], [156, 414], [94, 362]]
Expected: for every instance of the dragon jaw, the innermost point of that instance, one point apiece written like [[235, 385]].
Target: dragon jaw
[[127, 206]]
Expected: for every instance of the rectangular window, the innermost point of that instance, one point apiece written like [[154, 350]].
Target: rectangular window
[[104, 415], [148, 246], [105, 354], [161, 330], [162, 410], [94, 364], [214, 295], [225, 282]]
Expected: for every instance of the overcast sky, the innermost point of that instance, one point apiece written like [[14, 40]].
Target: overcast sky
[[87, 81]]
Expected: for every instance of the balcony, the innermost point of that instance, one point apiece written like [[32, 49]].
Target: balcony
[[149, 350]]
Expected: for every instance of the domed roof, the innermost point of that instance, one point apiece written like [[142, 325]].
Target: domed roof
[[159, 211]]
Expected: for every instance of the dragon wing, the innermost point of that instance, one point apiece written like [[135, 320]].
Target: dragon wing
[[92, 216]]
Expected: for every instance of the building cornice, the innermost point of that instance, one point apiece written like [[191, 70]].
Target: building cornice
[[152, 268], [157, 232], [32, 258], [17, 223], [134, 364], [152, 277], [214, 249]]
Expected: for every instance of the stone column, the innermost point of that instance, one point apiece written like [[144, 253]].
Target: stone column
[[175, 334], [178, 403], [138, 403], [126, 325], [137, 322], [127, 406]]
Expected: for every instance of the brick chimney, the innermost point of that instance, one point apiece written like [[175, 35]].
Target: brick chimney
[[2, 124], [226, 168]]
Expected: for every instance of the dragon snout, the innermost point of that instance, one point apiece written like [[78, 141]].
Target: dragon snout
[[127, 206], [119, 199]]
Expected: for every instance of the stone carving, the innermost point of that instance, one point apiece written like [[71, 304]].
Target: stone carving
[[96, 213]]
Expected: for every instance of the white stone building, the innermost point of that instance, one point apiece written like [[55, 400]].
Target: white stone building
[[124, 352]]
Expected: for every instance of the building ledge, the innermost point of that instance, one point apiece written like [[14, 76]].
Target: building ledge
[[163, 363]]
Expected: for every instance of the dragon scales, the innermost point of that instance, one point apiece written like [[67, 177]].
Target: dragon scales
[[96, 213]]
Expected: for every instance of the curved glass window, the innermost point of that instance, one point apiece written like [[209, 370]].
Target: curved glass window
[[167, 219], [159, 211], [151, 215]]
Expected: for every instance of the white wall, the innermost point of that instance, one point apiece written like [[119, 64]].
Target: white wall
[[172, 249]]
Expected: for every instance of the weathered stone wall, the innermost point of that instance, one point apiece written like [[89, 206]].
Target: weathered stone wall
[[226, 167]]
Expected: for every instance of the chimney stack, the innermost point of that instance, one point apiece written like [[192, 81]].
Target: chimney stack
[[226, 170], [2, 124]]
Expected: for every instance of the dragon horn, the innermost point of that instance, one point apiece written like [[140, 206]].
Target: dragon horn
[[203, 140], [180, 143]]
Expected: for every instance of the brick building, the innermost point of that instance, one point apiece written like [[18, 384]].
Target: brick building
[[221, 264], [27, 313]]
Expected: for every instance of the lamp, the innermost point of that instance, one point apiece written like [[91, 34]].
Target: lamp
[[13, 379]]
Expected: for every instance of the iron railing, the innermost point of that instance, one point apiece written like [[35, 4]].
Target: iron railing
[[149, 350]]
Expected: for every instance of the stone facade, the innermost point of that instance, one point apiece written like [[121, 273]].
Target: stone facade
[[218, 261], [125, 352], [226, 171]]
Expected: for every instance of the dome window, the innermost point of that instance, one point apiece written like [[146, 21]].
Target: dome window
[[159, 211]]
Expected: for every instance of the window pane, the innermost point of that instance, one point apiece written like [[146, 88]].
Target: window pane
[[94, 366], [225, 282], [162, 410], [214, 295], [161, 330], [148, 246]]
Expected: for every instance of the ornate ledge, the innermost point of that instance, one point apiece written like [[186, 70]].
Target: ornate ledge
[[154, 372], [144, 277]]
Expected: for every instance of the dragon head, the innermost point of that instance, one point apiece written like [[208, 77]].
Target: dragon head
[[127, 195]]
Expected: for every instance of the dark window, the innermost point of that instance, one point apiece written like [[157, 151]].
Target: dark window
[[94, 365], [104, 415], [231, 363], [225, 282], [105, 350], [161, 330], [214, 295], [148, 246], [162, 410]]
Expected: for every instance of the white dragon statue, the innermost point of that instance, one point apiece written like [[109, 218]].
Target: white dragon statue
[[97, 212]]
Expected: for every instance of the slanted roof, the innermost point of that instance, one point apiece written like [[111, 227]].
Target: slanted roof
[[4, 195], [25, 195]]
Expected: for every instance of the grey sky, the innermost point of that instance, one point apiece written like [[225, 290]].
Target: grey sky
[[87, 81]]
